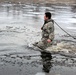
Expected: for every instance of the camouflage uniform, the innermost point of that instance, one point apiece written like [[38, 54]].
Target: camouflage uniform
[[47, 33]]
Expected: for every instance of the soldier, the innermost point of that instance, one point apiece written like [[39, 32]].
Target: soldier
[[47, 32]]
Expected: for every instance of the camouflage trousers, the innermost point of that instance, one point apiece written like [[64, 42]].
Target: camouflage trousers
[[43, 44]]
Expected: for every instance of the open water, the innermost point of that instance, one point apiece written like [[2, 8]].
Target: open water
[[20, 27]]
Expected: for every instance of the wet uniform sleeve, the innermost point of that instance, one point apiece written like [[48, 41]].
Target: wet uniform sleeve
[[47, 30]]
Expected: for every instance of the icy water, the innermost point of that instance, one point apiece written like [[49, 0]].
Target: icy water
[[20, 27]]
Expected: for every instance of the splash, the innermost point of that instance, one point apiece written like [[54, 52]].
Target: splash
[[63, 46]]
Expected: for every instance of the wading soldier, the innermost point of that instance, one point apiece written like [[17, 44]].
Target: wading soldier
[[47, 32]]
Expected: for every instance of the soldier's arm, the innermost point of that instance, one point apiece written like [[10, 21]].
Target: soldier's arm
[[45, 32], [48, 28], [51, 31]]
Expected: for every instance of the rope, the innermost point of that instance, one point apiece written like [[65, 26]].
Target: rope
[[65, 31]]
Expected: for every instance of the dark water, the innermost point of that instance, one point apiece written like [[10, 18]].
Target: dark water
[[20, 27]]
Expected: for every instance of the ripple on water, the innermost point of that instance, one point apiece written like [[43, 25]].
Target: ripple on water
[[20, 27]]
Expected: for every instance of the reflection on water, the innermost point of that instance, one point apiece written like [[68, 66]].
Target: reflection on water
[[46, 59]]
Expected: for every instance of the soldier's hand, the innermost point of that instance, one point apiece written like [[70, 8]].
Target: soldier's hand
[[48, 40]]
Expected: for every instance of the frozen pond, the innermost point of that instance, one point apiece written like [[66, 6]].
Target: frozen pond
[[20, 26]]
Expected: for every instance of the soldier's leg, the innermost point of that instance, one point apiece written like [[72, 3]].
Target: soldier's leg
[[41, 45], [49, 44], [35, 44], [44, 44]]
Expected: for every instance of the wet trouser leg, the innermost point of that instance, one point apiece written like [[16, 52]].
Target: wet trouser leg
[[44, 44]]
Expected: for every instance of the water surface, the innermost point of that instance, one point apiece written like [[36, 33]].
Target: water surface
[[20, 27]]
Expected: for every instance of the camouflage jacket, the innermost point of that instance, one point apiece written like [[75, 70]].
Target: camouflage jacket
[[48, 30]]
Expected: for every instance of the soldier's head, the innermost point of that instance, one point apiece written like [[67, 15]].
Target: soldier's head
[[47, 16]]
